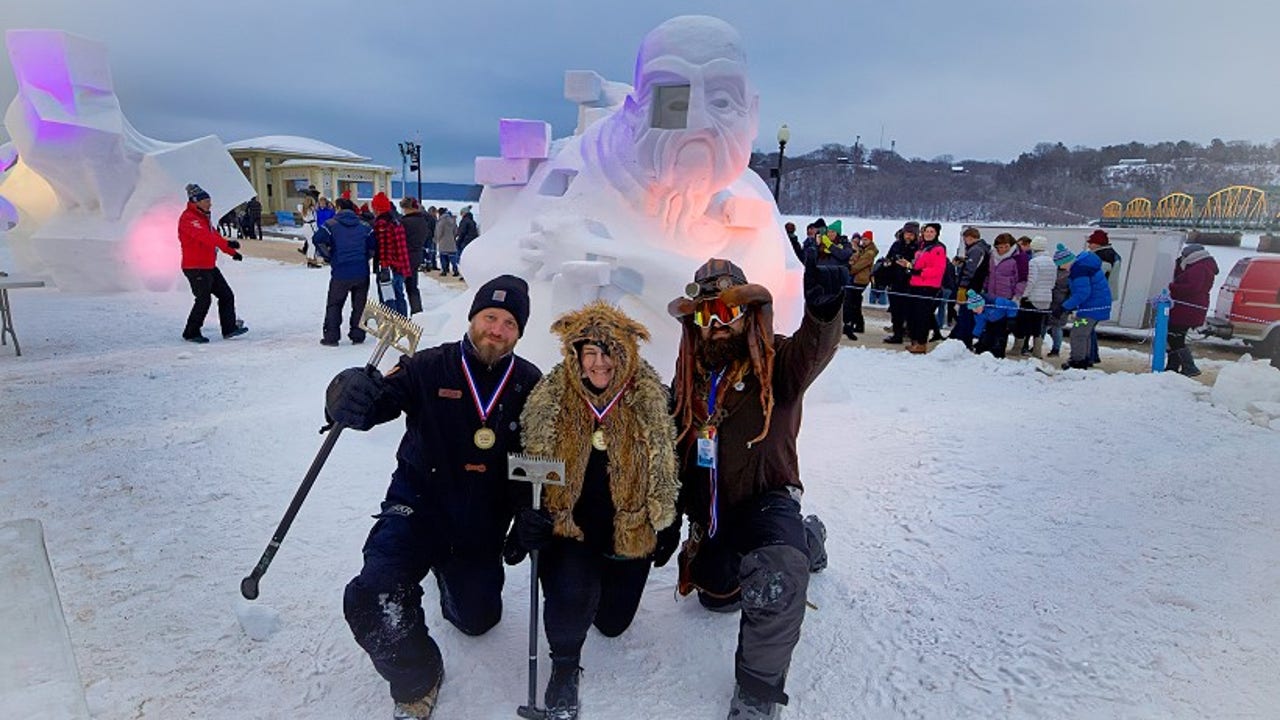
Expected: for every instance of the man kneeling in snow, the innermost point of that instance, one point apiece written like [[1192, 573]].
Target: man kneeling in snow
[[738, 393]]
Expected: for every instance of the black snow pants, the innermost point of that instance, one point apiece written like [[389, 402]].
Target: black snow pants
[[206, 285], [383, 604], [358, 289], [759, 559], [584, 588]]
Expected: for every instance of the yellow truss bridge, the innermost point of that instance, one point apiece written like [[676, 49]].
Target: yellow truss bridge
[[1235, 208]]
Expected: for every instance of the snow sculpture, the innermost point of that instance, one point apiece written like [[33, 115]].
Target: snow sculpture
[[654, 182], [97, 202]]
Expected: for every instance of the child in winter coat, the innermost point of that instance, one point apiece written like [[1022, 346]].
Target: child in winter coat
[[991, 322]]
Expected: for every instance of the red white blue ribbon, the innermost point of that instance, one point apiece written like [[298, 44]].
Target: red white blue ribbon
[[483, 409]]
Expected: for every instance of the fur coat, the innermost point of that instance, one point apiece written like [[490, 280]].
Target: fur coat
[[641, 435]]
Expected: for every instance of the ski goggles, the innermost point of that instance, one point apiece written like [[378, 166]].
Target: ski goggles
[[714, 310]]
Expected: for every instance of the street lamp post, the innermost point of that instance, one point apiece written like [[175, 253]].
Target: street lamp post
[[410, 152], [784, 134], [404, 163]]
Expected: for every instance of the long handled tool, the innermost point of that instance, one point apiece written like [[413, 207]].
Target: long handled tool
[[392, 330], [537, 471]]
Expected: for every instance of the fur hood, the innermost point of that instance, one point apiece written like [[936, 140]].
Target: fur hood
[[641, 435]]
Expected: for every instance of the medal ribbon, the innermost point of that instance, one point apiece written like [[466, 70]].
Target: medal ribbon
[[483, 409], [601, 413], [715, 494]]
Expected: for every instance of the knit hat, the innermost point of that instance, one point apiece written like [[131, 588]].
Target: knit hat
[[1098, 237], [1039, 243], [381, 203], [507, 292], [465, 210], [937, 227], [837, 226], [866, 234], [976, 302], [820, 223], [195, 193], [1062, 256]]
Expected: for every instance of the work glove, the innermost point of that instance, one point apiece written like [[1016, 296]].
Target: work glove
[[823, 288], [962, 295], [668, 541], [237, 256], [233, 244], [352, 395], [534, 528], [512, 551]]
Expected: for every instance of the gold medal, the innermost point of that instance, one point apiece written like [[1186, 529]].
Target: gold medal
[[485, 438], [598, 441]]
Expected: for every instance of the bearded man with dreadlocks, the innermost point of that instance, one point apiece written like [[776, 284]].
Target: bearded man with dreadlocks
[[738, 392]]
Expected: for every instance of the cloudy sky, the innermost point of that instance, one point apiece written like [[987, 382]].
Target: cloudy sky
[[981, 79]]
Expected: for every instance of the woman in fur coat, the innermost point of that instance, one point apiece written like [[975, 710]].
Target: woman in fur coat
[[604, 411]]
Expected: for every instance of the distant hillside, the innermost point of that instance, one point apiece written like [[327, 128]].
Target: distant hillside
[[1050, 184]]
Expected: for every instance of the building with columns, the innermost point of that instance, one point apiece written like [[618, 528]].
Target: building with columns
[[282, 167]]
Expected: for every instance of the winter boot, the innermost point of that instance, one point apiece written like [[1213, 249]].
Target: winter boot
[[894, 340], [848, 332], [561, 697], [422, 708], [198, 339], [815, 535], [746, 706], [1173, 361], [1188, 363]]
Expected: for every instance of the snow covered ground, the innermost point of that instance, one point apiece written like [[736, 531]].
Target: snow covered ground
[[1004, 543]]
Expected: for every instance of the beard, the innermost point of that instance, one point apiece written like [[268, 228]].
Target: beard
[[713, 354], [488, 350]]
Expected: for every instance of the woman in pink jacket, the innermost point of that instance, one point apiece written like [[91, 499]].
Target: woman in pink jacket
[[927, 270]]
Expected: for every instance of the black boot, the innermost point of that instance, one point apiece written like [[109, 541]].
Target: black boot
[[1188, 363], [1173, 361], [561, 697]]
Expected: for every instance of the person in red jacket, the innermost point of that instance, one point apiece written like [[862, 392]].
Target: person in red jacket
[[927, 270], [392, 259], [200, 245]]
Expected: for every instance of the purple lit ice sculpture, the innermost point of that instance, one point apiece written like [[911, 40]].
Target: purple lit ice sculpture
[[654, 182], [112, 184]]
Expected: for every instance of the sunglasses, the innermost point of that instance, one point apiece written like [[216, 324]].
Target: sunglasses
[[713, 310]]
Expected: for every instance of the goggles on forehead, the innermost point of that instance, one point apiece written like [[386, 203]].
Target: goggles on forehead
[[712, 310]]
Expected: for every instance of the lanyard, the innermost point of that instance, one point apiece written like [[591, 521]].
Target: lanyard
[[714, 477], [483, 409], [601, 413]]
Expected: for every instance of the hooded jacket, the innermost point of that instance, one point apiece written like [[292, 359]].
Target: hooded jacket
[[347, 243], [1193, 278], [200, 242], [1041, 276], [614, 499], [1006, 279], [446, 234], [929, 266], [1090, 294]]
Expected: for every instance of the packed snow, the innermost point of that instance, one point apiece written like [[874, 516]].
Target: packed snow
[[1003, 543]]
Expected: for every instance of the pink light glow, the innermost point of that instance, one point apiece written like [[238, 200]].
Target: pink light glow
[[151, 247]]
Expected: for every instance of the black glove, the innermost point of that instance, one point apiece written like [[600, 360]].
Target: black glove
[[823, 288], [233, 244], [352, 395], [668, 541], [534, 528], [237, 256], [512, 551]]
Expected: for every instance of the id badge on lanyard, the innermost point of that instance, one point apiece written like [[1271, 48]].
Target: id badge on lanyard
[[707, 444]]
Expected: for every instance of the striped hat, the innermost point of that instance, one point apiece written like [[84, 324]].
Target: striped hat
[[1062, 256], [976, 302]]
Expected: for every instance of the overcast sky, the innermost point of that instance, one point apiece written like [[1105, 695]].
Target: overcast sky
[[981, 79]]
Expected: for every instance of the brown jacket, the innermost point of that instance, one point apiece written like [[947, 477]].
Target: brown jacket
[[748, 470], [864, 258]]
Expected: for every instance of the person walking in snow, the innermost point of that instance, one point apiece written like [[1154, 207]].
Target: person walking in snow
[[347, 243], [1193, 277], [446, 242], [450, 503], [200, 244], [738, 391], [393, 252], [604, 411]]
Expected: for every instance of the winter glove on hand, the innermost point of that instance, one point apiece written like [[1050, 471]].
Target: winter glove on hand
[[237, 256], [963, 295], [233, 244], [823, 289], [512, 551], [534, 528], [668, 541], [352, 395]]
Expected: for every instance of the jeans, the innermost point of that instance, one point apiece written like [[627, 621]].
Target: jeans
[[448, 259], [878, 297], [944, 304], [396, 302]]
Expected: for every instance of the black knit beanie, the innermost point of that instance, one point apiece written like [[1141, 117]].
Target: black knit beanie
[[507, 292]]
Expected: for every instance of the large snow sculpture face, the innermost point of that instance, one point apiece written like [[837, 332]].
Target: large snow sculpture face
[[693, 115]]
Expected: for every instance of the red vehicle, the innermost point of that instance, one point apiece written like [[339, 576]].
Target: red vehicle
[[1248, 305]]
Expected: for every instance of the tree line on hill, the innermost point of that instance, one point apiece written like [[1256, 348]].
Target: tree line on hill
[[1051, 184]]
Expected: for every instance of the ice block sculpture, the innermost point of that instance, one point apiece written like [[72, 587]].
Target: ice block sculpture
[[107, 178]]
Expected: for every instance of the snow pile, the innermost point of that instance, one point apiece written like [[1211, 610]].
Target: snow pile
[[1249, 389], [258, 620]]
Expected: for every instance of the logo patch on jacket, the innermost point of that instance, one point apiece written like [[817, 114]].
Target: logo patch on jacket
[[449, 393]]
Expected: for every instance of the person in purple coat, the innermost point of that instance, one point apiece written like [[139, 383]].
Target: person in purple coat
[[1193, 277]]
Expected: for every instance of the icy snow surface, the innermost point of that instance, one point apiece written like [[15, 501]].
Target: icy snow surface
[[1003, 543]]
